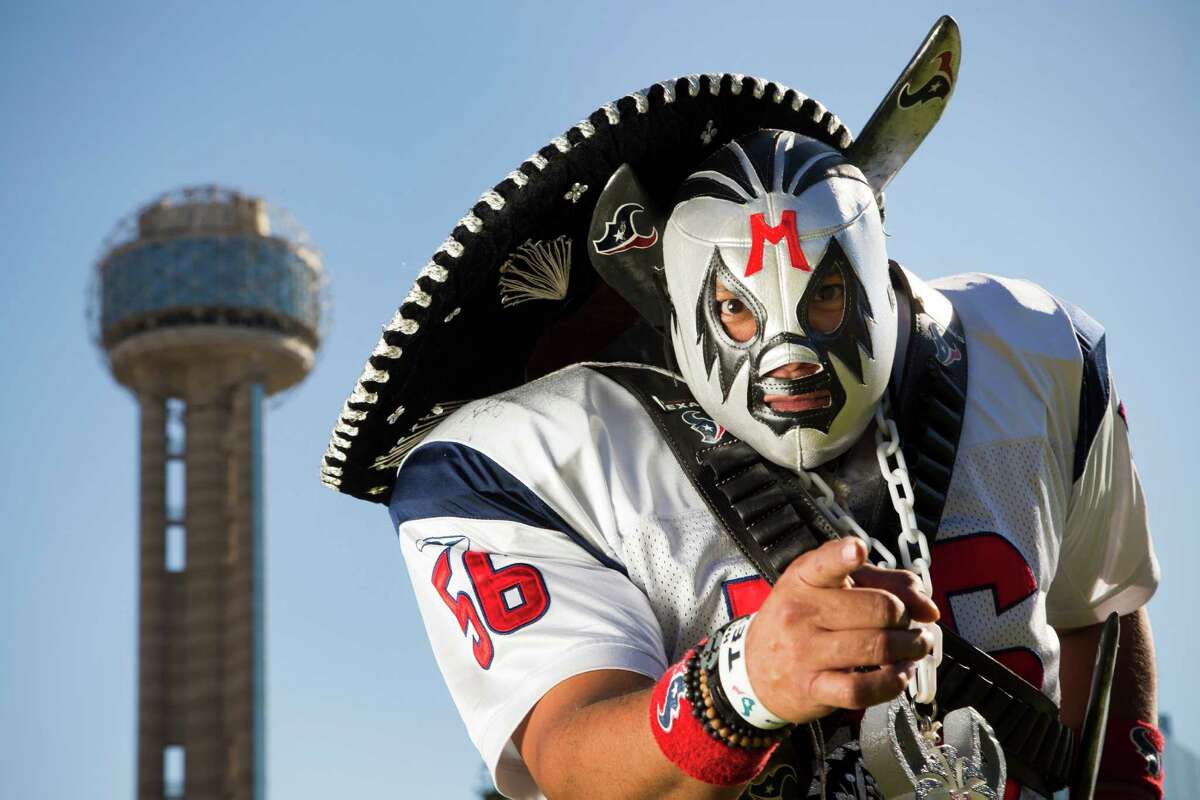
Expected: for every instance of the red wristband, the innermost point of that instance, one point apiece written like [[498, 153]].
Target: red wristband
[[1133, 754], [684, 741]]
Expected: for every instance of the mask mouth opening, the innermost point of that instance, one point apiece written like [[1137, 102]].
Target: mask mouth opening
[[796, 387], [793, 398]]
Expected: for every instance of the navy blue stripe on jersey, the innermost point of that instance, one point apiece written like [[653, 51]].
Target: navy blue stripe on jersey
[[447, 479], [1093, 388]]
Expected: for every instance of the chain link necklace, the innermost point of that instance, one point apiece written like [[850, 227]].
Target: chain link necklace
[[894, 470], [912, 542]]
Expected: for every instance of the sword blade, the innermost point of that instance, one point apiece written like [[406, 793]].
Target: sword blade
[[1091, 740], [911, 108]]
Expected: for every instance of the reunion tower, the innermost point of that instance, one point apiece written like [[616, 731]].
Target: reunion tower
[[205, 302]]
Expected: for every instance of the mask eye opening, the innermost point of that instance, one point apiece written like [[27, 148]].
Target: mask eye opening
[[718, 271], [821, 313]]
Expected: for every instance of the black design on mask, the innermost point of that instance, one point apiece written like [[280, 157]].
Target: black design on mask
[[715, 343], [760, 151], [851, 333], [824, 379]]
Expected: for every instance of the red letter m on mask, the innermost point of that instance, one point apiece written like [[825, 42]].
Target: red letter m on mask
[[761, 232]]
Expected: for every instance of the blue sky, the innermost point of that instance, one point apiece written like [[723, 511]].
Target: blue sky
[[1066, 157]]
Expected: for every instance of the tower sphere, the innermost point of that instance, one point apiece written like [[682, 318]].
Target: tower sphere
[[208, 275]]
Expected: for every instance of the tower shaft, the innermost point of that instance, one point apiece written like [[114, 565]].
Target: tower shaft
[[205, 300], [200, 625]]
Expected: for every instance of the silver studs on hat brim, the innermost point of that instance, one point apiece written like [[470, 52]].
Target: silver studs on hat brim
[[576, 191]]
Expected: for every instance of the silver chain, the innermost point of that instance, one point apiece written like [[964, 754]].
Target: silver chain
[[887, 452], [894, 470]]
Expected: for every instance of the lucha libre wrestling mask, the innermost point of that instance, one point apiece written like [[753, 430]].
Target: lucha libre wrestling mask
[[775, 222], [782, 315]]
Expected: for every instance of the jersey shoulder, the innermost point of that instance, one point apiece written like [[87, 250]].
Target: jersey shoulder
[[1048, 343], [1030, 321], [536, 430], [573, 452]]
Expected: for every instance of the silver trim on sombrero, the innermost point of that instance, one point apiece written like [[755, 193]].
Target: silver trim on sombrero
[[416, 434], [402, 324], [454, 246], [435, 271], [385, 350], [361, 396], [418, 297]]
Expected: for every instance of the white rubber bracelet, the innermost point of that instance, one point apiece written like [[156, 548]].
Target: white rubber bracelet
[[735, 680]]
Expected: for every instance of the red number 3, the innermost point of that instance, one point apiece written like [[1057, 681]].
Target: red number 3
[[511, 598]]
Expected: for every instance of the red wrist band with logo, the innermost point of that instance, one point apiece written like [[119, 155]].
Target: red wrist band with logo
[[1133, 755], [683, 740]]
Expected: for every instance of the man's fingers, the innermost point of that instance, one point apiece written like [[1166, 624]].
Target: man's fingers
[[871, 647], [904, 585], [829, 566], [848, 609], [860, 689]]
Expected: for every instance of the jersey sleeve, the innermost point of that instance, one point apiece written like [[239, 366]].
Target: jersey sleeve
[[514, 598], [1106, 561]]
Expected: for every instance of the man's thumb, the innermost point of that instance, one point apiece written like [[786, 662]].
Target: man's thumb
[[830, 565]]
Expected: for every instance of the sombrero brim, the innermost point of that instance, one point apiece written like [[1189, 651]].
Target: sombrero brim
[[516, 266]]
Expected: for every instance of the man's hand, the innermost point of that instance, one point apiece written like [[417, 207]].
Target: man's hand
[[826, 615]]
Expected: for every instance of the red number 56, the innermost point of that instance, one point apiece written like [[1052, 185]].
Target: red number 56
[[511, 598]]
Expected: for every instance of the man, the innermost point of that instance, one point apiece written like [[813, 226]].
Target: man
[[569, 568]]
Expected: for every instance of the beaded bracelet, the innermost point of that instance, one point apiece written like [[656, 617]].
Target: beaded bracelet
[[684, 738], [712, 708]]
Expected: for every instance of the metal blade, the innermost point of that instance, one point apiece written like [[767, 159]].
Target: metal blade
[[1091, 739], [912, 107]]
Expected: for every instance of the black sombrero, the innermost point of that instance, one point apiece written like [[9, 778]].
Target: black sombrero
[[511, 294]]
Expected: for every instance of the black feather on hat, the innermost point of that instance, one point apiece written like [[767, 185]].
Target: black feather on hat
[[511, 294]]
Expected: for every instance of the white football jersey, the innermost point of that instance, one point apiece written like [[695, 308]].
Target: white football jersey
[[548, 531]]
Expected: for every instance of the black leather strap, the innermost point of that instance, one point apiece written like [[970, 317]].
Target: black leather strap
[[773, 519]]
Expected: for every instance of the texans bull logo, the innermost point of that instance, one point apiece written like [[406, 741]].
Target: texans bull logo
[[947, 351], [668, 712], [778, 783], [1148, 749], [710, 432], [937, 86], [621, 233]]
